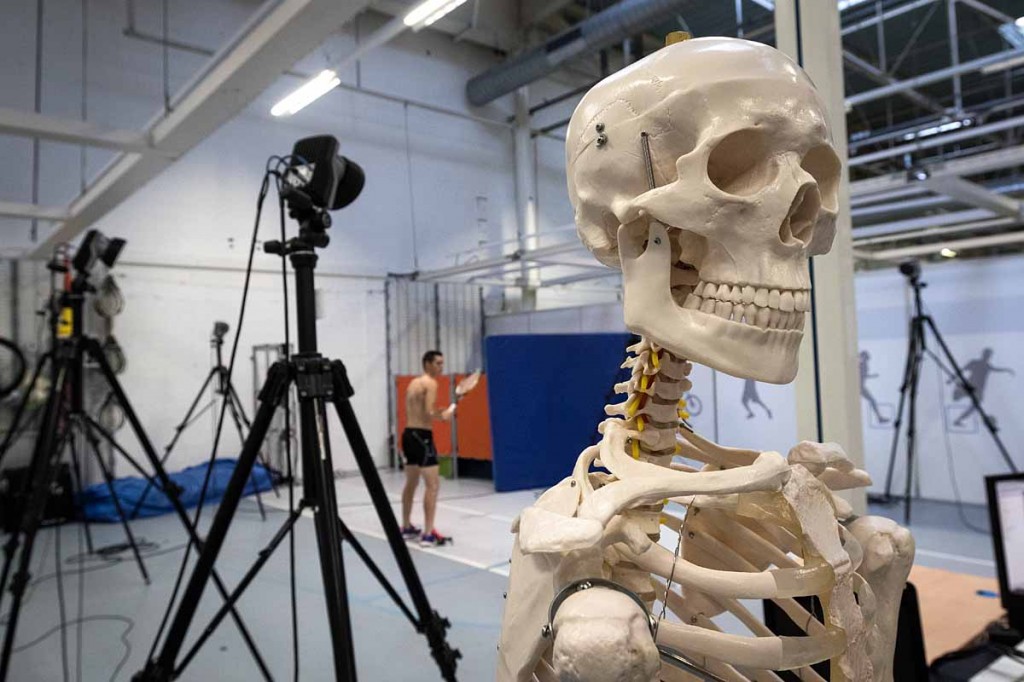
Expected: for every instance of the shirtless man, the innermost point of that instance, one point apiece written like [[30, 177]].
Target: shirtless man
[[419, 450]]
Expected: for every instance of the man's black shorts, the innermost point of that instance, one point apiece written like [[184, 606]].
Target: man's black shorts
[[418, 447]]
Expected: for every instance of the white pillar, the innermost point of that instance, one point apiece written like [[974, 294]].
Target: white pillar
[[808, 31], [526, 196]]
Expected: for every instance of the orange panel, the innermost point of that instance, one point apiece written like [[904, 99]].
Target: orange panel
[[442, 430], [473, 422]]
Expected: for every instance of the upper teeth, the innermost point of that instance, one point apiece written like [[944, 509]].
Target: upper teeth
[[760, 306]]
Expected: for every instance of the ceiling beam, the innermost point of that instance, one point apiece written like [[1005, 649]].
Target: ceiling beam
[[529, 255], [975, 195], [44, 127], [934, 77], [13, 209], [532, 12], [881, 77], [1003, 239], [278, 36], [923, 222], [966, 166], [937, 141]]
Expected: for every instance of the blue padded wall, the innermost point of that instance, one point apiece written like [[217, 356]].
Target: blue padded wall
[[547, 394]]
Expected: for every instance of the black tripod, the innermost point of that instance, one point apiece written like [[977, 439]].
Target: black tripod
[[318, 380], [64, 419], [226, 390], [908, 389]]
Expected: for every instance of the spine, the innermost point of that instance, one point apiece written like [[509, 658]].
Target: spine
[[654, 402]]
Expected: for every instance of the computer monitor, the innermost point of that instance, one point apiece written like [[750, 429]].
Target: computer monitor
[[1006, 510]]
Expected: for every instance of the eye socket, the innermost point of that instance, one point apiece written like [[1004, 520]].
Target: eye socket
[[741, 163], [824, 166]]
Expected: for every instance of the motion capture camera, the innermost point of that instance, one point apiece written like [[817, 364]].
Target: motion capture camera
[[317, 176], [96, 247], [911, 269], [219, 330]]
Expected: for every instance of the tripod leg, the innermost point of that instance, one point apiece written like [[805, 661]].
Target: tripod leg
[[238, 404], [912, 422], [348, 537], [43, 471], [19, 412], [79, 484], [92, 347], [109, 478], [241, 438], [174, 440], [163, 667], [908, 369], [319, 482], [432, 623], [244, 583], [245, 422], [969, 389]]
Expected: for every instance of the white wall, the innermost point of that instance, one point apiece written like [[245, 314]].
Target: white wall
[[435, 185], [973, 304]]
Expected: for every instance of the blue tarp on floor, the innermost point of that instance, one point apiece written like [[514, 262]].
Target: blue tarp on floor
[[98, 505]]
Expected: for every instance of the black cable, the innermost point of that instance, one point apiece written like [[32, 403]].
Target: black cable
[[81, 609], [89, 619], [264, 188], [293, 587], [19, 362], [61, 608], [961, 512]]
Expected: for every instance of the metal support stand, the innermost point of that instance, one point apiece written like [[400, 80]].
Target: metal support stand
[[917, 347], [318, 381], [226, 390], [64, 418]]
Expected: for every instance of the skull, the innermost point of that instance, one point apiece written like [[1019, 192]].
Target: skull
[[715, 257]]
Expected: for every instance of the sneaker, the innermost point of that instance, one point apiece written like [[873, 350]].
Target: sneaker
[[411, 532], [433, 539]]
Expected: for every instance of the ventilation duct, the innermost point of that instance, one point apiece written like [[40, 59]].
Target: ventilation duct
[[602, 30]]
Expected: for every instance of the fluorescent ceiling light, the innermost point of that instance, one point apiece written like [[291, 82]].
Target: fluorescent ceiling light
[[307, 93], [1003, 65], [947, 252], [842, 4], [429, 11], [935, 130]]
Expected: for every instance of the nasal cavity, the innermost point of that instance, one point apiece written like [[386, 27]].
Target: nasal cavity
[[798, 226]]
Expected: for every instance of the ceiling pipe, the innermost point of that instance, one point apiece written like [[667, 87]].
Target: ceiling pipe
[[600, 31], [931, 232]]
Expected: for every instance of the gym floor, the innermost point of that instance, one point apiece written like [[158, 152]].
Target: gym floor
[[465, 582]]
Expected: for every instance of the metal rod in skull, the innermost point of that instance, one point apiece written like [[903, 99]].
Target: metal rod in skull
[[706, 172]]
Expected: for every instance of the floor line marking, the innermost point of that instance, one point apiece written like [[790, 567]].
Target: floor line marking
[[474, 512], [956, 557]]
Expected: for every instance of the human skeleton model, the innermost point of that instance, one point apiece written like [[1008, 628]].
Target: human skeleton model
[[706, 172]]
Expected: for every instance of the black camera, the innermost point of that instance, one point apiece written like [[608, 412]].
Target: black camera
[[911, 269], [317, 176], [95, 247], [219, 330]]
